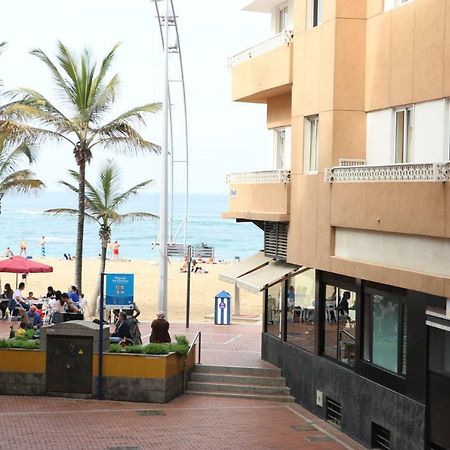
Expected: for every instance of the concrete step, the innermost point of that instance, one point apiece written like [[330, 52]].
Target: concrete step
[[276, 398], [237, 379], [244, 371], [237, 388]]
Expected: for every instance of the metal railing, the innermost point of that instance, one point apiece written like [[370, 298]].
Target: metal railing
[[274, 42], [418, 172], [260, 177], [196, 342]]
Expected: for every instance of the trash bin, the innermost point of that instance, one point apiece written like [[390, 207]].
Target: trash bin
[[222, 308]]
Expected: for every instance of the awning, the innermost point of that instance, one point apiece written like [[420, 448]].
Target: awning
[[267, 276], [236, 270]]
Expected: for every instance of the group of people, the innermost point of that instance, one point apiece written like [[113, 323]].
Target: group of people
[[23, 246], [195, 266], [127, 330]]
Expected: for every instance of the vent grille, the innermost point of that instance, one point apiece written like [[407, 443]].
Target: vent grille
[[381, 437], [334, 412], [275, 240]]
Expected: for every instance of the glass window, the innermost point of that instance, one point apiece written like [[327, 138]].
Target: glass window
[[314, 13], [312, 143], [439, 352], [385, 332], [403, 135], [282, 18], [340, 324], [300, 309], [274, 300]]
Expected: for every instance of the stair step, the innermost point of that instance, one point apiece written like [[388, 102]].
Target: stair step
[[244, 371], [276, 398], [237, 379], [238, 388]]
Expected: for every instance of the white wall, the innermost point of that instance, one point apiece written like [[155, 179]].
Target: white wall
[[379, 137], [415, 253], [430, 130]]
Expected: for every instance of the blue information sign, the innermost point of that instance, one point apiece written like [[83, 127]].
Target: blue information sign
[[119, 290]]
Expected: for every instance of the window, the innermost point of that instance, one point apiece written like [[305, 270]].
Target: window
[[385, 331], [340, 324], [301, 309], [312, 144], [282, 148], [391, 4], [282, 23], [403, 135], [314, 13]]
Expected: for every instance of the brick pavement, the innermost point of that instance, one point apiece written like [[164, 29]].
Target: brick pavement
[[188, 422]]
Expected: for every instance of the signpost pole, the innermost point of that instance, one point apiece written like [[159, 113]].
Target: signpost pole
[[188, 287], [100, 339]]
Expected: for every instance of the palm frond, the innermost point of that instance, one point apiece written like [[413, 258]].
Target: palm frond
[[122, 198], [69, 212], [136, 216], [132, 115], [21, 181], [9, 160]]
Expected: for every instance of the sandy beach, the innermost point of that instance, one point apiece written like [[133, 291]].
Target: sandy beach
[[203, 286]]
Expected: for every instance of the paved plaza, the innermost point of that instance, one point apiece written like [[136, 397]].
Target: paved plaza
[[188, 422]]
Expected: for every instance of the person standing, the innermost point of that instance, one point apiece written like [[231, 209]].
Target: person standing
[[43, 242], [23, 248], [115, 248]]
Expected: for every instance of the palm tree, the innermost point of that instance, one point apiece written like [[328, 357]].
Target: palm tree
[[103, 201], [87, 97], [12, 178]]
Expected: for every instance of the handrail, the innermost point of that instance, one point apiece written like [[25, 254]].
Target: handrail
[[347, 333], [197, 339], [260, 176]]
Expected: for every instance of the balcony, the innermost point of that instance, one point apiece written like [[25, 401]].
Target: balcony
[[410, 199], [259, 196], [264, 70]]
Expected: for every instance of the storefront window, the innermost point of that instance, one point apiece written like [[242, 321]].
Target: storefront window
[[340, 324], [274, 299], [385, 331], [301, 309]]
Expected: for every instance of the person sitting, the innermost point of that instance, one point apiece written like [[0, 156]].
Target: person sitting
[[31, 297], [50, 292], [73, 294], [34, 318], [70, 306], [20, 301], [343, 307], [160, 329], [122, 332], [7, 296]]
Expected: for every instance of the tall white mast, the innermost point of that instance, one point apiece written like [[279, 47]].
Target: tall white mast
[[164, 197]]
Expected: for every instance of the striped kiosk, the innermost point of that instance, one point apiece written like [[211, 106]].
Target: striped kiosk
[[222, 308]]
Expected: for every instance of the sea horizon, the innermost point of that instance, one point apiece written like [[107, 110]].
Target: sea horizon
[[22, 218]]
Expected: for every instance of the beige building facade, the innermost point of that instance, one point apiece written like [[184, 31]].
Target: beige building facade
[[358, 103]]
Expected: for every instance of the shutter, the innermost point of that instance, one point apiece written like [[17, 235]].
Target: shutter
[[275, 240]]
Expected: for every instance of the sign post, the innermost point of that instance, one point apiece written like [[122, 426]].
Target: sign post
[[118, 294], [188, 287]]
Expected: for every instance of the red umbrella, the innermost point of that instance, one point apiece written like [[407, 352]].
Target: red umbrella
[[19, 264]]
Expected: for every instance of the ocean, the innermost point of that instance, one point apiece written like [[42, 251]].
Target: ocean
[[23, 217]]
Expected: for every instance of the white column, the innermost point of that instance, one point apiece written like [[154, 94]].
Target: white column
[[164, 195]]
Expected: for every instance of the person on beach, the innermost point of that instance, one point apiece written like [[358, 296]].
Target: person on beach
[[160, 329], [42, 243], [8, 253], [23, 248], [115, 248]]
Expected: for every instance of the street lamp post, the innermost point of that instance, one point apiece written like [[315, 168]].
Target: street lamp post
[[164, 195]]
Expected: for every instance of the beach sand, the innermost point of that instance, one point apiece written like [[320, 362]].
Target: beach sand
[[203, 286]]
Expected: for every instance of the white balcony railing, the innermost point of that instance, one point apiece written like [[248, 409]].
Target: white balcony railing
[[261, 177], [276, 41], [430, 172]]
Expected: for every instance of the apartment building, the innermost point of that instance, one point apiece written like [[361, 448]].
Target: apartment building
[[355, 272]]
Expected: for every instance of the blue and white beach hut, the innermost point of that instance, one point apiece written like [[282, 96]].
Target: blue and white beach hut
[[222, 308]]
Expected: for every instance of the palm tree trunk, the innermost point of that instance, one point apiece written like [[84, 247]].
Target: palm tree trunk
[[80, 227]]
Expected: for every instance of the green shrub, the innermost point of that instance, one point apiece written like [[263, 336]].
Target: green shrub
[[28, 335], [182, 340], [179, 349], [156, 349], [20, 343]]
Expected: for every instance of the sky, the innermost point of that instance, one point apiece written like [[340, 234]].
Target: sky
[[224, 136]]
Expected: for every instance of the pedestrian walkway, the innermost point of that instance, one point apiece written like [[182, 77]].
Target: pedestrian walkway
[[188, 422]]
